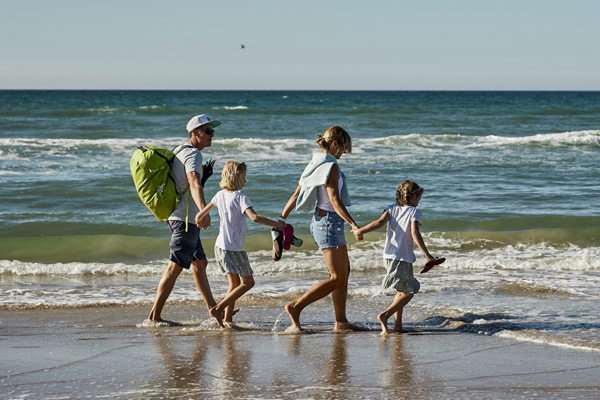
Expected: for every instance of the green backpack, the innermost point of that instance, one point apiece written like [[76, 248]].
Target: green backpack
[[152, 171]]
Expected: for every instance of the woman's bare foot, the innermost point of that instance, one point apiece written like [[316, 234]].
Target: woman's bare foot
[[294, 315], [383, 321], [218, 315], [399, 330], [293, 330]]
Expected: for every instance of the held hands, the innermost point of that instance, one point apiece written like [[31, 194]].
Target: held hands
[[357, 232], [204, 222], [279, 225]]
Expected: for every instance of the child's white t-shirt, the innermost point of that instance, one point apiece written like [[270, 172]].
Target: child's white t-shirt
[[399, 240], [232, 212]]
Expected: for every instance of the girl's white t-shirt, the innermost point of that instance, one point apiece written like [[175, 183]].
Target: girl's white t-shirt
[[399, 240], [232, 213]]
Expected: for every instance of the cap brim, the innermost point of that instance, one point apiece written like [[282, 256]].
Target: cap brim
[[213, 122]]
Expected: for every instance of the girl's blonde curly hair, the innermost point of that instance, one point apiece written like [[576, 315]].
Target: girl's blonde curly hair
[[230, 177]]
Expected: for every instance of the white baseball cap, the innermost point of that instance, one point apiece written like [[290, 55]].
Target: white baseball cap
[[200, 120]]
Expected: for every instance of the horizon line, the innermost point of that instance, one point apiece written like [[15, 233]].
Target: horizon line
[[305, 90]]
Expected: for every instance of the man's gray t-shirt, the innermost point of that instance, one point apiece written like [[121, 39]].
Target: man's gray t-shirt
[[189, 159]]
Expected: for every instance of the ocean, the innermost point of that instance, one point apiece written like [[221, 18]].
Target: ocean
[[512, 200]]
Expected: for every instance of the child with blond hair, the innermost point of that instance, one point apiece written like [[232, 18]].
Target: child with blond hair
[[233, 206]]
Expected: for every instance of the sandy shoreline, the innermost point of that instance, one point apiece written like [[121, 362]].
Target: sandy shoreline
[[50, 354]]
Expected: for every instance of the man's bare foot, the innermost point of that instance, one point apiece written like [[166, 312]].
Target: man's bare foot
[[218, 315], [383, 321], [345, 326], [159, 322], [295, 317]]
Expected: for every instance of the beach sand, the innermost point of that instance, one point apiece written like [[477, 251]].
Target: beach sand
[[104, 352]]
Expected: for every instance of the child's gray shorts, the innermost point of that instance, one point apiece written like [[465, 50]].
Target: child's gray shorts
[[233, 262]]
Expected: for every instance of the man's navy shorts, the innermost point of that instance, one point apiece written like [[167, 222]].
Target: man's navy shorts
[[185, 246]]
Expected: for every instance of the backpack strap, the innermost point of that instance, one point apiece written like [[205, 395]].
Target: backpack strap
[[183, 146], [187, 211], [179, 148]]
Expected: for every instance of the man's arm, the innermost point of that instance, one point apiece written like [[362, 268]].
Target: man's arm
[[197, 192]]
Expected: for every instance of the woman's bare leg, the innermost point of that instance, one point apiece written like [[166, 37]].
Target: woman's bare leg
[[336, 259]]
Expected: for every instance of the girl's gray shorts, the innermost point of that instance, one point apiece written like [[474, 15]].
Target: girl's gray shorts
[[233, 262]]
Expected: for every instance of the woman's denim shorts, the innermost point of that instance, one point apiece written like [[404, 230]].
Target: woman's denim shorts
[[327, 230]]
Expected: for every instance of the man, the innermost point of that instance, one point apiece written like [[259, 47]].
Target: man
[[186, 246]]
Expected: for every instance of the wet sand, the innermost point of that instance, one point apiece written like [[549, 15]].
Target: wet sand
[[101, 352]]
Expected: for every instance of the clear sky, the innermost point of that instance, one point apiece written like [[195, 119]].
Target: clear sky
[[304, 44]]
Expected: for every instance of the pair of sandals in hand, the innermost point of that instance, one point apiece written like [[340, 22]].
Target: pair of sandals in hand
[[283, 240]]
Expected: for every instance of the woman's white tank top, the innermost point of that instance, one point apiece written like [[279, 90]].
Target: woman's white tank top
[[323, 202]]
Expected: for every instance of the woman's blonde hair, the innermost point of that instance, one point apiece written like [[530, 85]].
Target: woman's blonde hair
[[335, 134], [405, 192], [230, 177]]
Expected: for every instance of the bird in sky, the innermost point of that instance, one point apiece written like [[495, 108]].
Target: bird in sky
[[243, 47]]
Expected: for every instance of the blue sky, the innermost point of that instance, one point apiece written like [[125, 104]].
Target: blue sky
[[305, 45]]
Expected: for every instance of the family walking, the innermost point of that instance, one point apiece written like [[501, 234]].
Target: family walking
[[322, 188]]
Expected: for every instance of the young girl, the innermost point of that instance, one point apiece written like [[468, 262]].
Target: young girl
[[403, 219], [233, 206]]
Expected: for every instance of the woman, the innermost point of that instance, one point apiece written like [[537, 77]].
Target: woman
[[323, 183]]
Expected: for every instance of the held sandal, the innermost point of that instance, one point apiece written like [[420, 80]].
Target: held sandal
[[277, 244], [288, 233], [432, 263]]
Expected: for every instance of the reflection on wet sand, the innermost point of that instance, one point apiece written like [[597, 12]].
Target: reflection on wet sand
[[397, 375], [180, 372], [337, 374], [232, 365], [216, 365]]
